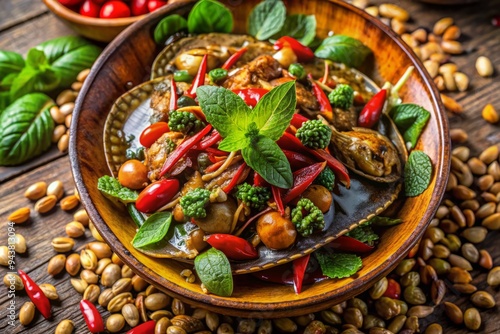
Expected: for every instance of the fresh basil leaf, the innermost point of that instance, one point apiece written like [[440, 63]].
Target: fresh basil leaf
[[299, 26], [153, 230], [265, 157], [4, 101], [169, 26], [418, 173], [343, 49], [410, 120], [233, 143], [338, 265], [33, 80], [68, 56], [111, 188], [275, 110], [214, 270], [225, 110], [26, 129], [209, 16], [384, 221], [7, 81], [267, 19], [36, 59], [364, 233], [10, 62]]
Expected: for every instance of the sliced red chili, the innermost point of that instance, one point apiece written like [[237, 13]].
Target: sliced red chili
[[235, 248], [299, 270], [235, 179], [182, 149], [349, 244], [92, 317], [259, 181], [277, 199], [302, 179], [156, 195], [393, 289], [36, 295], [173, 95], [372, 111], [199, 79], [151, 134], [234, 58], [212, 139], [146, 328], [297, 160], [251, 95], [319, 94], [216, 151], [303, 53], [284, 275], [298, 120], [215, 166]]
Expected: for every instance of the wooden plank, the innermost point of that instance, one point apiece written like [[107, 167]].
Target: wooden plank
[[16, 12]]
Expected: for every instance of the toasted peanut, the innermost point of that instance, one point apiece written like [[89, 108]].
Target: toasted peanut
[[394, 12], [490, 114], [452, 33], [20, 215], [451, 104], [36, 191], [441, 25], [484, 66]]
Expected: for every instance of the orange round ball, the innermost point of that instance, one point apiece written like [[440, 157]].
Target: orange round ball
[[133, 174], [275, 231]]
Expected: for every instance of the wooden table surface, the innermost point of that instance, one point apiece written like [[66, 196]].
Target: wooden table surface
[[25, 23]]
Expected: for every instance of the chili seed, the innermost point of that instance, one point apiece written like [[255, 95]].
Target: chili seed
[[434, 329], [156, 301], [82, 217], [482, 299], [92, 293], [465, 288], [458, 261], [88, 259], [56, 264], [63, 244], [75, 229], [105, 297], [475, 234], [116, 303], [26, 313], [65, 327], [49, 291], [79, 285], [470, 252], [45, 204], [453, 312], [378, 289], [472, 319], [115, 323], [11, 280], [162, 325], [110, 275]]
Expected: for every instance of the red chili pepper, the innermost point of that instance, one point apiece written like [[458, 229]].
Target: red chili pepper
[[235, 179], [91, 316], [217, 152], [290, 142], [251, 95], [278, 200], [303, 53], [319, 94], [371, 112], [150, 134], [182, 149], [215, 166], [298, 120], [235, 248], [146, 328], [156, 195], [393, 289], [297, 160], [284, 275], [299, 270], [36, 295], [234, 58], [303, 179], [213, 138], [258, 181], [199, 79], [349, 244], [173, 95]]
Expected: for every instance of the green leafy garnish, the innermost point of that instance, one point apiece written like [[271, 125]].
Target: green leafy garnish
[[338, 265], [299, 26], [254, 132], [10, 62], [214, 271], [410, 120], [364, 233], [26, 129], [111, 188], [153, 230], [418, 172], [169, 26], [267, 19], [209, 16], [343, 49]]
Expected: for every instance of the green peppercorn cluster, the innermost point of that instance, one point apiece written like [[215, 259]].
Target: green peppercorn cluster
[[326, 178], [253, 196], [313, 218], [314, 134], [194, 202], [342, 96], [185, 122]]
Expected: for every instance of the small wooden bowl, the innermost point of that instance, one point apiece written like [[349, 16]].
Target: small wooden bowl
[[126, 62], [103, 30]]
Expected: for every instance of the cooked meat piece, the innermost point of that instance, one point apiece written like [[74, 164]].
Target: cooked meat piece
[[158, 153], [264, 68], [160, 99], [344, 120], [225, 178], [305, 98], [255, 49]]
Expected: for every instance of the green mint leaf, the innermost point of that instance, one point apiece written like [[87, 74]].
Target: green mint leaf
[[338, 265], [384, 221], [343, 49], [364, 233], [209, 16], [36, 59], [33, 80], [274, 111], [153, 230], [418, 173], [410, 120], [225, 110], [265, 157], [169, 26], [111, 188], [26, 129], [299, 26], [233, 143], [10, 62], [267, 19], [214, 270]]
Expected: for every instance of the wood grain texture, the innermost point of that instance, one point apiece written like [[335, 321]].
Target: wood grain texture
[[474, 22], [17, 12]]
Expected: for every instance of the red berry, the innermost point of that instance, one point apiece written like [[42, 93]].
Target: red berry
[[155, 4], [114, 9], [68, 3], [90, 9], [139, 7]]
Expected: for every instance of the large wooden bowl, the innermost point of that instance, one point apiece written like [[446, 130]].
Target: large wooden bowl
[[126, 62]]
